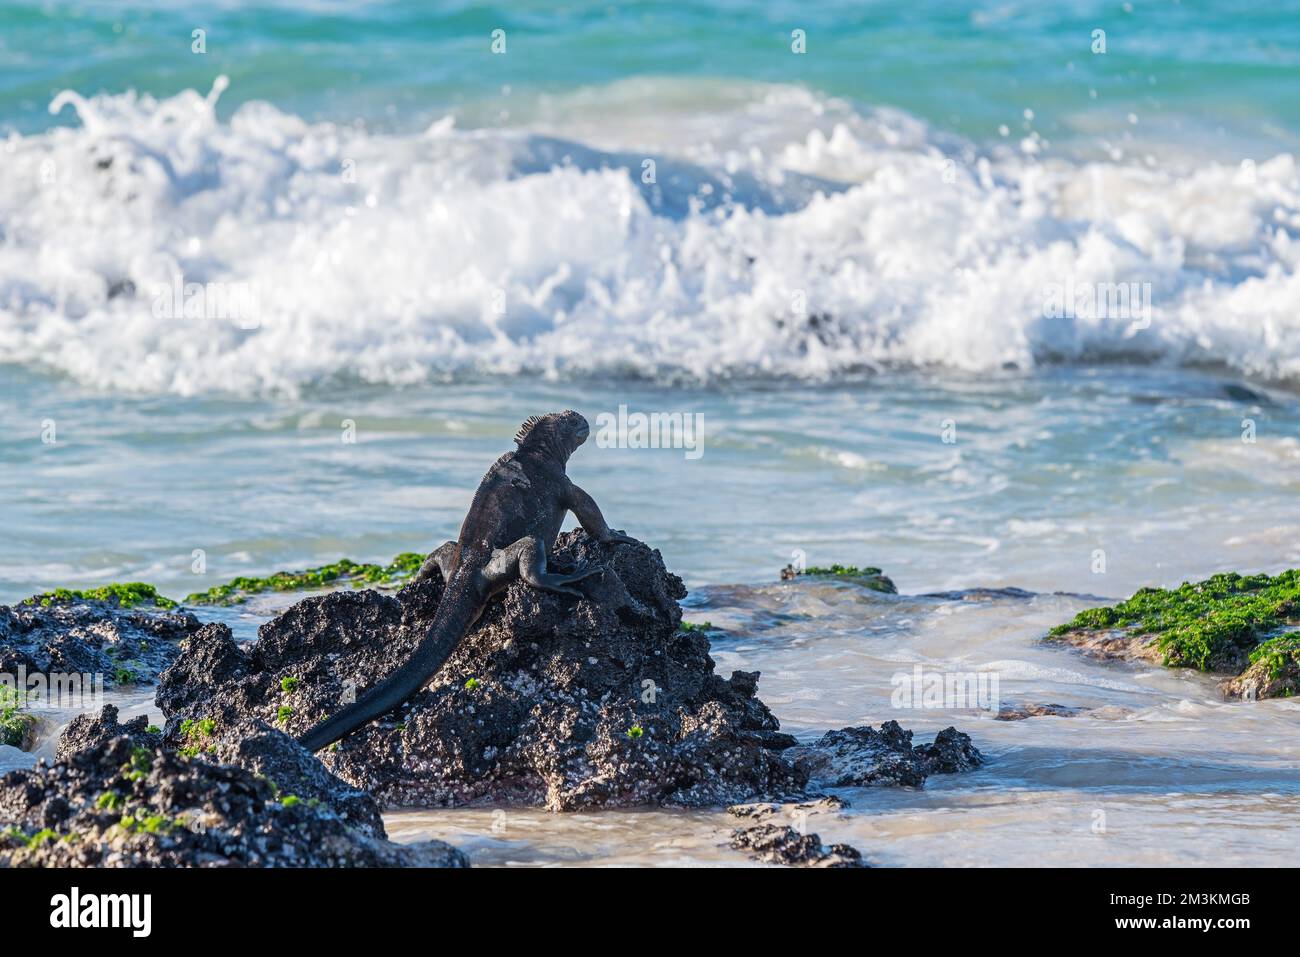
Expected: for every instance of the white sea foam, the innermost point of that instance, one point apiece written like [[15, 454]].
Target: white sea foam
[[799, 237]]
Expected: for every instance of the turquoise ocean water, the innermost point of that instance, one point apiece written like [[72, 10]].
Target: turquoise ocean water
[[1219, 73]]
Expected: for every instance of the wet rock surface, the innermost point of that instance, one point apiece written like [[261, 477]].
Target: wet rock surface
[[765, 811], [780, 844], [264, 751], [549, 701], [83, 636], [1019, 712], [117, 804], [1274, 672], [781, 833], [1113, 644], [88, 731], [866, 757]]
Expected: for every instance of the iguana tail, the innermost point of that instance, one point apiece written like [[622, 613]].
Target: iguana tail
[[459, 608]]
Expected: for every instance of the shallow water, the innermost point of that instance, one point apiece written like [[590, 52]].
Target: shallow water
[[1147, 465], [1163, 773]]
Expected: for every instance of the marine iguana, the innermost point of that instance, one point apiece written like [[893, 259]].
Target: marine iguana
[[512, 523]]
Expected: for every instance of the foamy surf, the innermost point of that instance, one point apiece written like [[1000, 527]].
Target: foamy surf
[[153, 248]]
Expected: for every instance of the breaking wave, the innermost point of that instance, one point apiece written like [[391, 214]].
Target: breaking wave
[[765, 232]]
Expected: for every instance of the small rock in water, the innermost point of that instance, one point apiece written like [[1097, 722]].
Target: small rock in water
[[776, 844], [951, 752], [1022, 711], [87, 731], [767, 810], [868, 577], [863, 757]]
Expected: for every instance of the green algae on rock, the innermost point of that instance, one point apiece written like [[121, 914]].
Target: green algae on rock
[[123, 594], [114, 803], [1225, 624], [344, 571], [95, 637], [17, 727], [194, 733], [1274, 670], [868, 576]]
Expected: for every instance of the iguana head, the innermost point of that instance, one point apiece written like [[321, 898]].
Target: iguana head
[[558, 433]]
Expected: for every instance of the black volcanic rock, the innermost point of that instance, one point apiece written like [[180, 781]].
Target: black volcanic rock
[[549, 701], [87, 731], [85, 636], [780, 844], [861, 757], [292, 769], [951, 752], [264, 751], [118, 804]]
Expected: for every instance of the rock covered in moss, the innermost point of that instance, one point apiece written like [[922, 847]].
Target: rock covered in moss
[[18, 726], [117, 804], [868, 577], [865, 757], [550, 701], [266, 752], [343, 572], [1226, 624], [118, 594], [1274, 670], [127, 643]]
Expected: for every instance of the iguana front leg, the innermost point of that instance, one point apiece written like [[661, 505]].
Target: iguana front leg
[[587, 512]]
